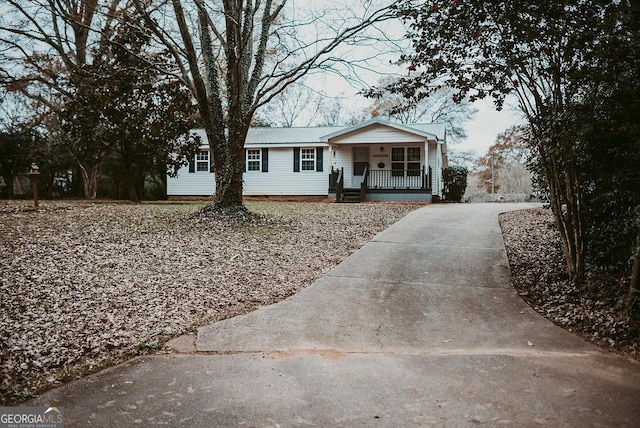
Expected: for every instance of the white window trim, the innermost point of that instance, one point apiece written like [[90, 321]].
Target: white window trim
[[257, 160], [200, 160], [311, 159]]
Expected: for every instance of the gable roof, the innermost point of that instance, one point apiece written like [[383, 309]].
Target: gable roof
[[428, 130], [320, 135]]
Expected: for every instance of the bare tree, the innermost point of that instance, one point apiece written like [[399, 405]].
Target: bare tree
[[297, 105], [333, 111], [515, 178], [42, 45], [438, 106], [504, 168], [237, 56]]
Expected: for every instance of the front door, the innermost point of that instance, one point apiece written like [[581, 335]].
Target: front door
[[360, 163]]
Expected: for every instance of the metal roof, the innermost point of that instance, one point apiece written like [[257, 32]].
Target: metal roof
[[321, 134], [312, 135], [437, 129]]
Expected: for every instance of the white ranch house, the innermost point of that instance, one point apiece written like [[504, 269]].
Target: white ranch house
[[376, 160]]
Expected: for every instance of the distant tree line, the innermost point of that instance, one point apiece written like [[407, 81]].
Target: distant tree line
[[502, 173], [76, 60], [104, 120]]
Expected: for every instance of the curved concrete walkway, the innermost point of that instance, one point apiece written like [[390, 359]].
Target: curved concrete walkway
[[420, 327]]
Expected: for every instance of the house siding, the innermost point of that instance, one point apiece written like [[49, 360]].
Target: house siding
[[343, 158], [191, 183], [280, 180], [437, 179], [435, 161]]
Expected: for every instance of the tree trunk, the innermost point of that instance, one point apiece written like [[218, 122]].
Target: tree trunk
[[228, 163], [635, 278], [9, 179], [131, 190], [89, 180], [130, 182], [565, 203]]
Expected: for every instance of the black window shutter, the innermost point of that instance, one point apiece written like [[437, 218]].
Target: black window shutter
[[265, 159], [211, 170], [319, 159], [296, 159], [244, 163], [192, 166]]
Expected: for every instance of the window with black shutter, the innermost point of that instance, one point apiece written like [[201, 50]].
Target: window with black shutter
[[319, 159], [296, 159], [265, 159], [308, 159]]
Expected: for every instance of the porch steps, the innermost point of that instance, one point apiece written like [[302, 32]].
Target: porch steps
[[351, 196]]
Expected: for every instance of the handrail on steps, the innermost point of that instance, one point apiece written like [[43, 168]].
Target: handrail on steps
[[340, 185], [365, 183]]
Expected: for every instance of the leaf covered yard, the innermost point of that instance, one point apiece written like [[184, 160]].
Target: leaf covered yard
[[85, 284], [596, 311]]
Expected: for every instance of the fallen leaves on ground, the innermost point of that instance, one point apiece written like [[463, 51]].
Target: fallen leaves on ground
[[84, 284], [596, 311]]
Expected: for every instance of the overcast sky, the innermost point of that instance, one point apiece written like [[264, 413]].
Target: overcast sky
[[482, 131], [487, 124]]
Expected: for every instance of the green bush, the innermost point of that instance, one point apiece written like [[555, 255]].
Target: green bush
[[455, 182]]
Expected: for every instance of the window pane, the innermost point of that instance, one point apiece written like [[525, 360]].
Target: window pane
[[413, 169], [202, 166], [397, 154], [308, 157], [397, 169], [202, 155], [253, 160], [413, 154]]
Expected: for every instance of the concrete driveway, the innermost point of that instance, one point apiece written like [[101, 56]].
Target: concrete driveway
[[420, 327]]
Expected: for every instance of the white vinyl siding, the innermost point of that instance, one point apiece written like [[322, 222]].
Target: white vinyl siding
[[189, 184], [343, 158], [279, 181], [435, 160], [282, 181]]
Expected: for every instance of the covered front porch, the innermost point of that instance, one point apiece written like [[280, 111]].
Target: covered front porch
[[383, 161], [383, 185]]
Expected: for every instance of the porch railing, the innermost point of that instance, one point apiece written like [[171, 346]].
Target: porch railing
[[336, 182], [399, 179]]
